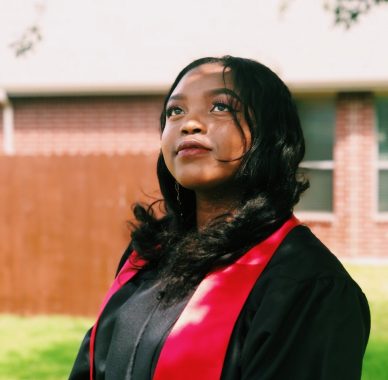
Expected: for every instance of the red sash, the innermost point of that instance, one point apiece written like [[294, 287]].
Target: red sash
[[197, 344]]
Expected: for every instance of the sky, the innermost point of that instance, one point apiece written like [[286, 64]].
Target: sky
[[140, 45]]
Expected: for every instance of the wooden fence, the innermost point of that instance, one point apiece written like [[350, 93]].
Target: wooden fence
[[63, 227]]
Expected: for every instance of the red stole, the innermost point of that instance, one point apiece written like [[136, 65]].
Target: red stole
[[197, 344]]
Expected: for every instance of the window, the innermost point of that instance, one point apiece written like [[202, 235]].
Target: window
[[382, 166], [318, 121]]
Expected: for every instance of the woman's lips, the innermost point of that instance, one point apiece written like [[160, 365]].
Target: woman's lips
[[191, 148], [192, 152]]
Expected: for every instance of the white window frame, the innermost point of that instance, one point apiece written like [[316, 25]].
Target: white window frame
[[317, 216], [320, 216], [380, 164]]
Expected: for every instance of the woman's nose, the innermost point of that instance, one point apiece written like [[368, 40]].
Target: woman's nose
[[193, 126]]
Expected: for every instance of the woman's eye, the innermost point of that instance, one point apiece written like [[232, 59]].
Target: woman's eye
[[174, 111], [221, 107]]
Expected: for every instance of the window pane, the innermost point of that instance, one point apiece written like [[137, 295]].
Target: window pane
[[382, 122], [318, 120], [319, 197], [383, 190]]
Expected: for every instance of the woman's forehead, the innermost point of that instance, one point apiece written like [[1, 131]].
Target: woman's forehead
[[205, 76]]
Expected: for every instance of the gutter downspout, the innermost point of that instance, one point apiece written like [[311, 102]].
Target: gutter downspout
[[8, 124]]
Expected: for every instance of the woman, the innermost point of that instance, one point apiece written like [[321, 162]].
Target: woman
[[228, 284]]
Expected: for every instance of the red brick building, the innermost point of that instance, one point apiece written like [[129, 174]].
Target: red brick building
[[71, 166]]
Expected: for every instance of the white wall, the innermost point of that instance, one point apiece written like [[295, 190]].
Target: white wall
[[139, 44]]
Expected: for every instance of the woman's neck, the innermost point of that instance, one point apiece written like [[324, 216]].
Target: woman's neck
[[211, 205]]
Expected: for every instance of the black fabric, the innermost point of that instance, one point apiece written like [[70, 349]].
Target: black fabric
[[304, 319]]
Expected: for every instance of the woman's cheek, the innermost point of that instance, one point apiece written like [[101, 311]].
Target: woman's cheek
[[230, 145], [167, 147]]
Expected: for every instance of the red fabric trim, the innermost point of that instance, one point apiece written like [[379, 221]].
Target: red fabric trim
[[197, 344], [129, 269]]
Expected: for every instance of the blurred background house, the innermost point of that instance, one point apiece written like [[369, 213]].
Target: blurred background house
[[79, 125]]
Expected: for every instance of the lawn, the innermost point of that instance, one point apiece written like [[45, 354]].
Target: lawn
[[44, 347], [373, 279], [39, 348]]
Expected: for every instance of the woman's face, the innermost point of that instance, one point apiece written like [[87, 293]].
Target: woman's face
[[201, 143]]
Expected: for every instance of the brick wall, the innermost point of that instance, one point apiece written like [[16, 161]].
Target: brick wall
[[355, 229], [86, 125]]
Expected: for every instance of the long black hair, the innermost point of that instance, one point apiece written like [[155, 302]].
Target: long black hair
[[267, 177]]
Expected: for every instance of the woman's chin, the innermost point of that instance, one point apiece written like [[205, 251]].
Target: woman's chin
[[207, 186], [194, 185]]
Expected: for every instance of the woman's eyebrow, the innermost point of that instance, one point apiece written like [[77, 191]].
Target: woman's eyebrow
[[214, 91], [177, 97], [223, 90]]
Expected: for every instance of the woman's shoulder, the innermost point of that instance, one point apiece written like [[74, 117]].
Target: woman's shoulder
[[302, 256], [303, 275], [303, 266]]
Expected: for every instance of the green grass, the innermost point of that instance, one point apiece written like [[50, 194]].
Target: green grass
[[39, 348], [373, 279], [44, 347]]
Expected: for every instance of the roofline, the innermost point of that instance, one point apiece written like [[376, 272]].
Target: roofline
[[82, 90], [333, 87], [297, 87]]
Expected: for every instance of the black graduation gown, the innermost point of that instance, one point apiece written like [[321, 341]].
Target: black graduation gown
[[305, 319]]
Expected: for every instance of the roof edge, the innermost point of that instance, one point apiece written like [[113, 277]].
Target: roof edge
[[295, 86], [82, 90]]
